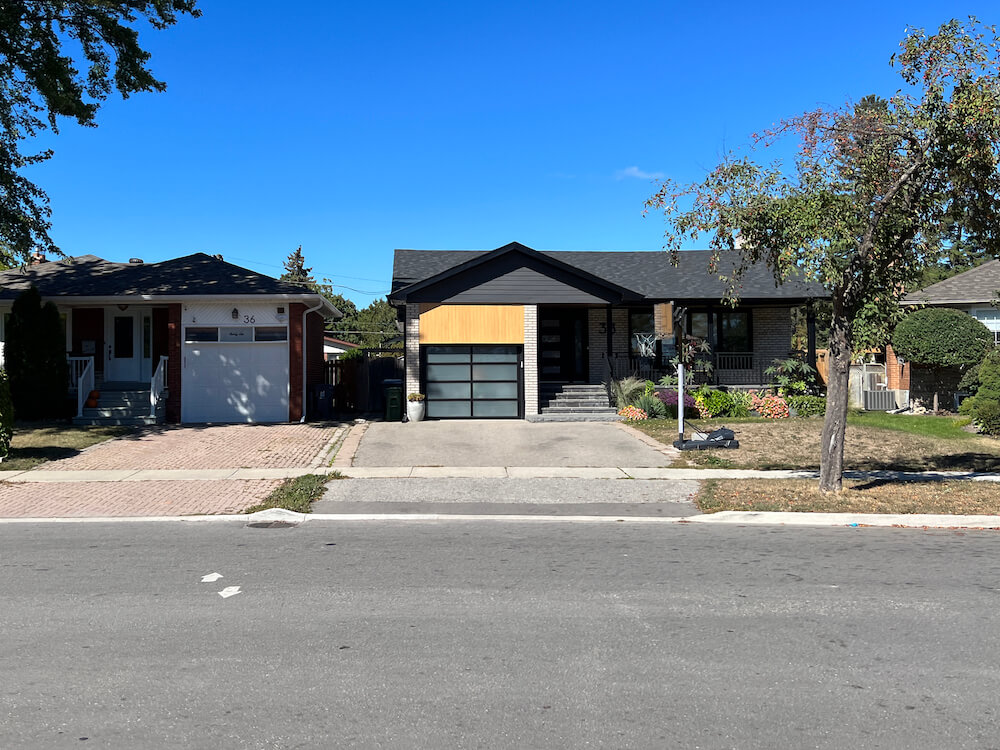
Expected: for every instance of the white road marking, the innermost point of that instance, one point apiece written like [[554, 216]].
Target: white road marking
[[211, 577], [230, 591]]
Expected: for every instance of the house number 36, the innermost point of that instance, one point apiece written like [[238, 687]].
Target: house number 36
[[249, 319]]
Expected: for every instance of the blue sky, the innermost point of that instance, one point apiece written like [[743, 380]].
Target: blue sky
[[356, 128]]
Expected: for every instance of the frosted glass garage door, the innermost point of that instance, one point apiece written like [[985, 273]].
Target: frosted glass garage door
[[473, 382]]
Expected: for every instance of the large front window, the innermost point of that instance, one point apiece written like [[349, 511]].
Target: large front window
[[734, 331], [642, 333]]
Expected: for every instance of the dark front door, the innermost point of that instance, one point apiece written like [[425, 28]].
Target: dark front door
[[562, 345]]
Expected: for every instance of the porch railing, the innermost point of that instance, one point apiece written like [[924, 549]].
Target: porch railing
[[84, 382], [157, 384], [727, 368], [76, 368]]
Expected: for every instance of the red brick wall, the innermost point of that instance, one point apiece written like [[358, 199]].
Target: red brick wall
[[314, 349], [897, 376], [174, 363], [88, 325], [295, 311]]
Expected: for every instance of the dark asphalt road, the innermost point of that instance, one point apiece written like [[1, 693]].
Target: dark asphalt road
[[498, 635]]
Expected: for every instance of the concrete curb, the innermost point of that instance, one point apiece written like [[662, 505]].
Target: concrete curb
[[859, 520]]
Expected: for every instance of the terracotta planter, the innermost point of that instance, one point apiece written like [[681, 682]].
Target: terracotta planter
[[94, 395]]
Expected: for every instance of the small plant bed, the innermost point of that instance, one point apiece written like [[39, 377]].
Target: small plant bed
[[875, 442], [35, 443], [951, 497], [297, 494]]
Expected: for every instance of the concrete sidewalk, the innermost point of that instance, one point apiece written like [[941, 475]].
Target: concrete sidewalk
[[473, 472]]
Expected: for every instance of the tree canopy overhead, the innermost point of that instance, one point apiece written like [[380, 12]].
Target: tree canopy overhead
[[62, 58], [879, 190]]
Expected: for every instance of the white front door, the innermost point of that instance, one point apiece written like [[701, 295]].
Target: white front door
[[122, 344]]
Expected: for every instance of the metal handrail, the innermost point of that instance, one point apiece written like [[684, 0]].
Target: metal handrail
[[157, 384], [84, 383]]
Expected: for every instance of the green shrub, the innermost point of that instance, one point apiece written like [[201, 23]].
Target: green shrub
[[989, 376], [624, 392], [986, 414], [941, 337], [712, 403], [740, 404], [970, 379], [968, 404], [6, 414], [808, 406], [650, 404]]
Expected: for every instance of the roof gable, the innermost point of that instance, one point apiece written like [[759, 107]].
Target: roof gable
[[513, 273]]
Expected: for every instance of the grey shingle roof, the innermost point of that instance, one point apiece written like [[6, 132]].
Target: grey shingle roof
[[648, 273], [90, 276], [979, 284]]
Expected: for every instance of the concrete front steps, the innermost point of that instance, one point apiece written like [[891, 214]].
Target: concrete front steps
[[573, 403], [125, 404]]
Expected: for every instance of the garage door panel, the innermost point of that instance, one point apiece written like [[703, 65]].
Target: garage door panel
[[473, 381], [235, 382]]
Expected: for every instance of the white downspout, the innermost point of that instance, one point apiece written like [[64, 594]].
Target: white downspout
[[305, 313]]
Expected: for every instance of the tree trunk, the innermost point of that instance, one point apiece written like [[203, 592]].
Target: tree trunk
[[831, 459]]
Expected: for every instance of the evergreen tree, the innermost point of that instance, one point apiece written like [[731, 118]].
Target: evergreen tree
[[35, 357], [296, 271]]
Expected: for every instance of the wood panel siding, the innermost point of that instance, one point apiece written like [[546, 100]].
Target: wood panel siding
[[516, 280], [471, 324], [663, 320]]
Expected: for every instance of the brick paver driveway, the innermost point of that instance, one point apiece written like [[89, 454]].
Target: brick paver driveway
[[231, 446], [192, 448]]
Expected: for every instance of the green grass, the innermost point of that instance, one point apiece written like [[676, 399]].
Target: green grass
[[928, 425], [35, 443], [297, 494]]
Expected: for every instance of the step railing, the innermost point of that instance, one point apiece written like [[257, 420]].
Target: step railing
[[84, 383], [157, 384], [76, 368]]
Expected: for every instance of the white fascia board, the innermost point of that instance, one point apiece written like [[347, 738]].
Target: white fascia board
[[328, 309]]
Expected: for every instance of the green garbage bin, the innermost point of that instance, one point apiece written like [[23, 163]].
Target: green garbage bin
[[393, 400]]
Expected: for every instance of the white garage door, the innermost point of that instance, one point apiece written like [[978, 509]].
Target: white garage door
[[226, 380]]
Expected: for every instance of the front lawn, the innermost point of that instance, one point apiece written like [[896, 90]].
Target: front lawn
[[35, 443], [951, 497], [875, 441]]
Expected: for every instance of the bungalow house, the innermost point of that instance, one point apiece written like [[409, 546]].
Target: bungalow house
[[973, 291], [193, 339], [518, 333]]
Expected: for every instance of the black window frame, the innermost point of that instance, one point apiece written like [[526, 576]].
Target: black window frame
[[715, 339]]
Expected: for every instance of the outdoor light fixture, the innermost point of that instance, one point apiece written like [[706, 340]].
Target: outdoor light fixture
[[236, 314]]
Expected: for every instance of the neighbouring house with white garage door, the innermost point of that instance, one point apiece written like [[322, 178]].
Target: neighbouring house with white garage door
[[193, 339]]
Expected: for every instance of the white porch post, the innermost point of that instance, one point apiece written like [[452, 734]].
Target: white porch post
[[530, 361]]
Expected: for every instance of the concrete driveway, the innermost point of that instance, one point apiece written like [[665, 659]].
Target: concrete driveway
[[506, 443]]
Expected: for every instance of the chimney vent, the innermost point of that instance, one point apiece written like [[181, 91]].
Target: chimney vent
[[135, 261]]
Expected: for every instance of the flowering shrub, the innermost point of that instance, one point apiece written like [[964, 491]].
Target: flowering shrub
[[771, 407], [632, 414], [669, 399]]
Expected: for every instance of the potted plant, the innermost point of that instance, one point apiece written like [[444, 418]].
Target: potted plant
[[415, 407]]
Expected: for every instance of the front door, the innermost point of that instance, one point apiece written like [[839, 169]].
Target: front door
[[123, 344], [562, 345]]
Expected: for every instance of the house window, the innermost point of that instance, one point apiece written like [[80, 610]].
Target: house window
[[641, 333], [270, 333], [698, 324], [192, 334], [734, 331]]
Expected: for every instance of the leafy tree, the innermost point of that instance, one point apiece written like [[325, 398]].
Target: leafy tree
[[35, 357], [875, 195], [372, 326], [938, 338], [61, 58]]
